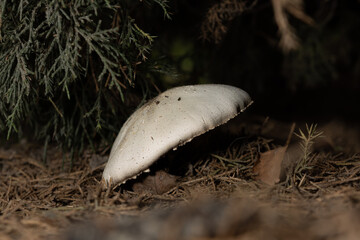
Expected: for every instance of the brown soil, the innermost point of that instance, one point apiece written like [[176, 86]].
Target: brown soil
[[217, 198]]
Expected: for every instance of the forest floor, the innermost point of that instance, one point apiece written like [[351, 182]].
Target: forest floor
[[262, 186]]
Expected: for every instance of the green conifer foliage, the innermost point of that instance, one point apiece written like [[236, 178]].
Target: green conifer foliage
[[66, 64]]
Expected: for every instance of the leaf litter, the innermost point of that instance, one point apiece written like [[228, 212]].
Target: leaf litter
[[219, 197]]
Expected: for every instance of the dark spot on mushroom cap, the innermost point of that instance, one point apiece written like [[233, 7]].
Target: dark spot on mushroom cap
[[179, 98], [166, 96], [157, 102]]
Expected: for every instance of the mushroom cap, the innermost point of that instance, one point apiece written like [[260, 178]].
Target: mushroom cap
[[169, 120]]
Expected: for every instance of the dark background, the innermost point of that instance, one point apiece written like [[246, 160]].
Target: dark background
[[317, 82]]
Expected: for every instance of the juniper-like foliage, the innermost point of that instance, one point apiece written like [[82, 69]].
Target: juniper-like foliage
[[65, 66]]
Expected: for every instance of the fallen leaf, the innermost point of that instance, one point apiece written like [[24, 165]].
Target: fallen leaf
[[159, 183], [268, 168]]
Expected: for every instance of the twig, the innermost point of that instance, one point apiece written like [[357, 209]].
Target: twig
[[56, 108]]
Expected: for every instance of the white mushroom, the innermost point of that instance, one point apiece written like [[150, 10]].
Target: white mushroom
[[171, 119]]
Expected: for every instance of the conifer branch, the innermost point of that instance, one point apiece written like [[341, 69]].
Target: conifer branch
[[46, 79]]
